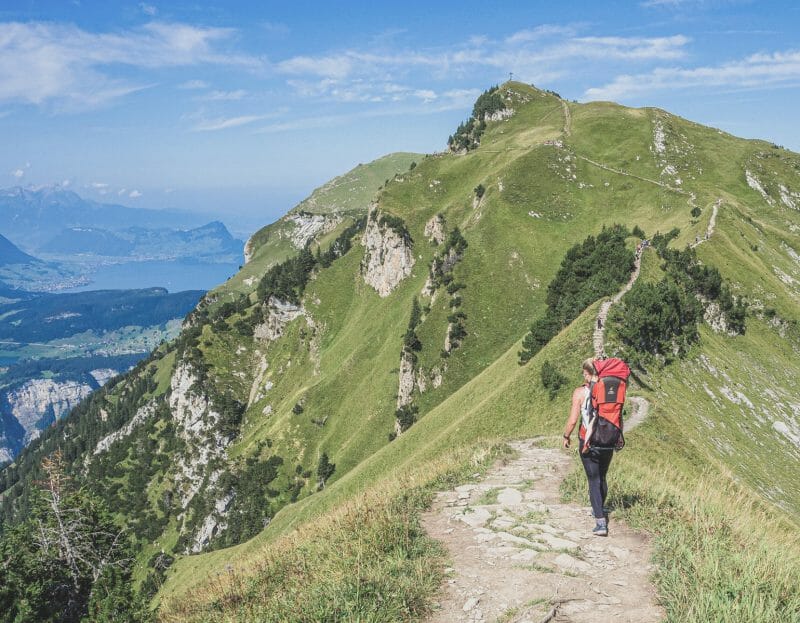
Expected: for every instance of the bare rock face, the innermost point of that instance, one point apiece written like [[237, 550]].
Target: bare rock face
[[196, 422], [434, 229], [308, 226], [754, 183], [27, 405], [142, 415], [248, 250], [388, 258], [279, 315], [406, 381], [213, 524], [500, 115]]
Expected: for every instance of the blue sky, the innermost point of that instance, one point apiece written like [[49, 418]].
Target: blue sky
[[241, 108]]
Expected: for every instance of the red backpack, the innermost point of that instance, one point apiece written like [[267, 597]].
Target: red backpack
[[607, 398]]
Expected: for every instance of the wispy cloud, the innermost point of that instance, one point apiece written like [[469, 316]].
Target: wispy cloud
[[46, 62], [449, 100], [225, 96], [18, 173], [134, 194], [148, 9], [224, 123], [535, 55], [194, 85], [757, 70]]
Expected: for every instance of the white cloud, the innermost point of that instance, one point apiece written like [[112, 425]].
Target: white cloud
[[98, 185], [134, 194], [43, 62], [450, 100], [194, 84], [121, 192], [223, 123], [225, 96], [148, 9], [757, 70], [18, 173], [534, 55]]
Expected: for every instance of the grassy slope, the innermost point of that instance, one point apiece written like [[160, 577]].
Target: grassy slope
[[511, 258]]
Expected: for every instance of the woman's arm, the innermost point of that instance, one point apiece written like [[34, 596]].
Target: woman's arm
[[574, 415]]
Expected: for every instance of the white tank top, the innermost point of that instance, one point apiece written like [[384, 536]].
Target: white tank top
[[585, 407]]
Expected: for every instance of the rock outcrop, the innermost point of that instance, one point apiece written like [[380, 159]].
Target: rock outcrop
[[388, 258], [26, 408], [213, 524], [434, 229], [196, 421], [142, 415], [278, 315], [308, 226], [406, 380]]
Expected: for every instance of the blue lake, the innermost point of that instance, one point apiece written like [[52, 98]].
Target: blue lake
[[174, 276]]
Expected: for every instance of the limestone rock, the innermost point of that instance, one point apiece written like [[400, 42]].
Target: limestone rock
[[387, 259], [279, 314], [434, 229]]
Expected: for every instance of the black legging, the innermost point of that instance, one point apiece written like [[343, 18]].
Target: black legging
[[595, 463]]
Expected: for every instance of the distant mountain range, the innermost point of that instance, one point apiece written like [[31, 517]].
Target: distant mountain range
[[211, 242], [32, 217], [73, 238]]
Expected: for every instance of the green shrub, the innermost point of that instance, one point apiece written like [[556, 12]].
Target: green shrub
[[552, 379]]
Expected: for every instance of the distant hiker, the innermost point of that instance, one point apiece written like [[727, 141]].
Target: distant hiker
[[596, 447], [697, 239], [599, 322]]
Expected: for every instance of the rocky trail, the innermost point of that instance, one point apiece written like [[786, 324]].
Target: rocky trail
[[712, 224], [520, 555], [598, 337]]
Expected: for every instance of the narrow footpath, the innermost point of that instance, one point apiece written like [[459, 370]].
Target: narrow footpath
[[520, 555], [598, 338], [712, 224]]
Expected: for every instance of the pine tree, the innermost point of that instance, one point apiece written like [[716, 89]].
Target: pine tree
[[68, 561]]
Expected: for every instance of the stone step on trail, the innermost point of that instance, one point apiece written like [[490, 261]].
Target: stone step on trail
[[526, 552]]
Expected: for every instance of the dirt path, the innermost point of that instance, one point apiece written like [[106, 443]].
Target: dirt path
[[598, 338], [641, 407], [633, 175], [519, 554], [567, 119], [712, 224]]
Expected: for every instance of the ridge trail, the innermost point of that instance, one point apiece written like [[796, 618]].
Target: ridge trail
[[598, 337], [520, 555], [712, 224], [633, 175]]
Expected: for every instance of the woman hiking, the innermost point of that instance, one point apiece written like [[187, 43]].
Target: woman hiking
[[595, 461]]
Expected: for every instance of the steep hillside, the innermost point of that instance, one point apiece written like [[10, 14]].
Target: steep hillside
[[375, 359]]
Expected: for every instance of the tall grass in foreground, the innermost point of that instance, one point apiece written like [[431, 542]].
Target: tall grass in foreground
[[368, 562], [721, 555]]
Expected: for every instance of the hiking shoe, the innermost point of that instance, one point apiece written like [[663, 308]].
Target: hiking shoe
[[601, 529]]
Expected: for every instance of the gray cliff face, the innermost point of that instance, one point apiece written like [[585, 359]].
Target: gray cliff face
[[27, 408], [204, 461], [308, 226], [388, 258], [279, 314]]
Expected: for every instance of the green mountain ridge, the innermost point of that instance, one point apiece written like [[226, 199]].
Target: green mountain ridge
[[389, 343]]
